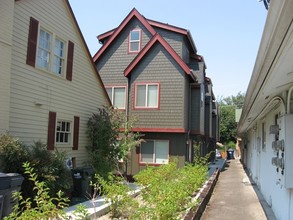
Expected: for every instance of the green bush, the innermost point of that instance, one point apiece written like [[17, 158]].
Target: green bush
[[48, 165], [46, 207], [12, 154], [167, 190]]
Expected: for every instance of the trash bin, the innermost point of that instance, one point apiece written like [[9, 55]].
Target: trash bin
[[15, 185], [4, 189], [230, 154], [81, 180], [77, 175]]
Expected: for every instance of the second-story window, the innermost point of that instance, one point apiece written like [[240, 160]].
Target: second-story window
[[134, 40], [117, 95], [47, 51], [147, 95], [50, 55]]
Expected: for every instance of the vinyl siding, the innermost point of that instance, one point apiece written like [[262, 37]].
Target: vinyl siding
[[6, 26], [35, 92], [158, 66]]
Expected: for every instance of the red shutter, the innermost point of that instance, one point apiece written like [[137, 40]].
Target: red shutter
[[75, 133], [51, 130], [32, 42], [69, 61]]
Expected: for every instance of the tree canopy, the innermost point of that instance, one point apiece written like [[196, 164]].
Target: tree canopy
[[228, 125]]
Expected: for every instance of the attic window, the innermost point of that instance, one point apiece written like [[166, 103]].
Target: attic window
[[134, 40]]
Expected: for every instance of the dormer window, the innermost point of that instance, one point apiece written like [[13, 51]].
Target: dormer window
[[134, 40]]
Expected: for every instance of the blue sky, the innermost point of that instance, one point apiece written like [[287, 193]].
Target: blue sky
[[226, 33]]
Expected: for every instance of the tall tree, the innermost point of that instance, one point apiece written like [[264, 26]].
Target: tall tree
[[228, 125]]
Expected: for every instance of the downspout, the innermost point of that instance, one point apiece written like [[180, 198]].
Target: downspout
[[288, 100]]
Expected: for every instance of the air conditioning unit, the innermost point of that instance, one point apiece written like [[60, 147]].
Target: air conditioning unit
[[69, 163]]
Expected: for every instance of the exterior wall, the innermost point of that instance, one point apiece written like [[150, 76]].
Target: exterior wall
[[195, 110], [177, 150], [175, 40], [6, 26], [158, 66], [114, 61], [257, 156], [35, 92]]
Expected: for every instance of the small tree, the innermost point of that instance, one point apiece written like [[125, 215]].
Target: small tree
[[111, 138]]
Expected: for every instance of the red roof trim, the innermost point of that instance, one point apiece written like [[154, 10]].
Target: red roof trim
[[143, 52], [167, 130], [133, 13], [167, 27]]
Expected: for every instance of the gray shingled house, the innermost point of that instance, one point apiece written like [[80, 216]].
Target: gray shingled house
[[152, 70]]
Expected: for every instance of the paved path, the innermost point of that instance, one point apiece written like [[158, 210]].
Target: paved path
[[234, 197]]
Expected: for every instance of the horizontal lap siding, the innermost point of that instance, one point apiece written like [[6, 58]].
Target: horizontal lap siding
[[79, 97], [158, 66]]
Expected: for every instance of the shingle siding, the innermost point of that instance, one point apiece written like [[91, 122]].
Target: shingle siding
[[113, 62], [171, 78], [174, 39]]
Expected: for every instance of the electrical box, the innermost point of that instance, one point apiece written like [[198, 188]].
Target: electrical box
[[288, 151]]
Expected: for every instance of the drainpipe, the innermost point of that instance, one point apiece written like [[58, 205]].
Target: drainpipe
[[288, 100]]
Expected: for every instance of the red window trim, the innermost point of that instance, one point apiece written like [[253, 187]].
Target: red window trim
[[153, 164], [135, 94], [140, 43]]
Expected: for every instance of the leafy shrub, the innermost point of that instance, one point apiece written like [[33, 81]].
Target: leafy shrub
[[111, 138], [117, 192], [49, 166], [12, 154], [46, 207], [167, 190]]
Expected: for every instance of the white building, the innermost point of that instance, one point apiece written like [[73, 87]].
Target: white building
[[266, 123]]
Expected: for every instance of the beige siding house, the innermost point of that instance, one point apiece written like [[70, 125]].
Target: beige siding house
[[49, 86]]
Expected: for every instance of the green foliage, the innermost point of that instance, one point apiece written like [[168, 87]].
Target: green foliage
[[117, 192], [231, 144], [12, 154], [49, 166], [46, 207], [228, 124], [198, 159], [111, 140], [167, 190], [81, 212]]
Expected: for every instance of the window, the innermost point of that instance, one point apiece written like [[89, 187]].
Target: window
[[50, 55], [134, 41], [147, 96], [117, 96], [48, 52], [63, 132], [154, 152]]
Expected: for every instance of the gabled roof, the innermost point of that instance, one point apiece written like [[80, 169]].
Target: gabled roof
[[169, 49], [148, 23], [133, 13]]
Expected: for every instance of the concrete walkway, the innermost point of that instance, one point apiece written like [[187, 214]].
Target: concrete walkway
[[235, 197]]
